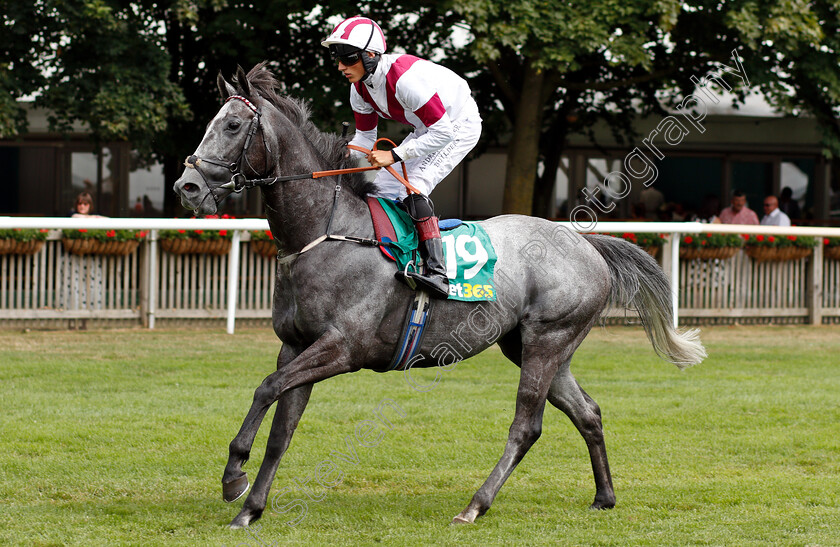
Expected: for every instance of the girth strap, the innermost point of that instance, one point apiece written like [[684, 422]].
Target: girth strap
[[328, 237]]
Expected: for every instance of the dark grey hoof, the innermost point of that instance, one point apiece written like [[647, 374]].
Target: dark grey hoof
[[600, 506], [235, 489]]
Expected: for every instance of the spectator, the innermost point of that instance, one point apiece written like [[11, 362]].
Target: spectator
[[83, 207], [652, 200], [738, 212], [773, 216], [788, 205]]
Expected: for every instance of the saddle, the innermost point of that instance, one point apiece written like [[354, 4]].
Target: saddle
[[391, 233]]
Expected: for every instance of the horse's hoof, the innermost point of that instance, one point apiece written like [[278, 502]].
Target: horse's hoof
[[602, 506], [460, 520], [235, 489], [245, 518], [239, 522]]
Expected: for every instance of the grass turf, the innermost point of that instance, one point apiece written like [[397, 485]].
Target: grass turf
[[121, 438]]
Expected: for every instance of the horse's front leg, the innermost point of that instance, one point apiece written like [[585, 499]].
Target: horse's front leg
[[290, 408], [291, 385], [234, 480]]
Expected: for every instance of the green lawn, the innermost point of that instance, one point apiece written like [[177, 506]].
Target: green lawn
[[121, 438]]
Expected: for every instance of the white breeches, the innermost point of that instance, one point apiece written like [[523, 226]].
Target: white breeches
[[425, 172]]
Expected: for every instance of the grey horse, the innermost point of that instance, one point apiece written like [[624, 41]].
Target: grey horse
[[337, 307]]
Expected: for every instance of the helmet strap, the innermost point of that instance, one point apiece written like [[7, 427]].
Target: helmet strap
[[370, 64]]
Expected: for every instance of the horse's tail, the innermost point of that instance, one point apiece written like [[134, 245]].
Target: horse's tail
[[638, 282]]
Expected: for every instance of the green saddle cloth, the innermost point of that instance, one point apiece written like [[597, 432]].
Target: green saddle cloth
[[469, 255]]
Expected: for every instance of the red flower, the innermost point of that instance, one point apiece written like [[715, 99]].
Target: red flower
[[704, 242], [687, 240], [268, 233], [792, 238], [746, 237], [826, 241], [708, 234], [182, 231], [223, 233], [199, 231], [771, 239], [759, 237], [226, 216], [42, 230], [83, 230], [110, 233]]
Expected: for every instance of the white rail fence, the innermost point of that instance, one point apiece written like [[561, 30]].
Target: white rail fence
[[151, 285]]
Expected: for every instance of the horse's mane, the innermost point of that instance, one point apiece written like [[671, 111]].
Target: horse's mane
[[330, 146]]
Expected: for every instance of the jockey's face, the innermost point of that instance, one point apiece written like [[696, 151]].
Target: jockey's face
[[354, 72]]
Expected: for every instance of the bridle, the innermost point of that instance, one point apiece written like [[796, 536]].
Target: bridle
[[238, 180]]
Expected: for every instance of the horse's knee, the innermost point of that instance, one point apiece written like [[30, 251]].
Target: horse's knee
[[266, 394], [591, 427], [525, 434]]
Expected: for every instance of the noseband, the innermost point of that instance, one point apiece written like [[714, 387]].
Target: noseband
[[238, 180]]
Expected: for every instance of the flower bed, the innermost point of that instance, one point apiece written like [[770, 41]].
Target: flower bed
[[771, 248], [102, 242], [831, 247], [20, 241], [262, 243], [651, 243], [709, 246], [213, 242]]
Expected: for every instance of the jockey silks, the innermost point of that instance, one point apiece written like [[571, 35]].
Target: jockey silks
[[427, 96]]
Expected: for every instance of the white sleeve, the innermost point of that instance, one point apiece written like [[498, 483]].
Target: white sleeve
[[436, 137]]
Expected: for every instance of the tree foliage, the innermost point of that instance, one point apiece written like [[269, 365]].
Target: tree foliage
[[558, 67], [90, 61]]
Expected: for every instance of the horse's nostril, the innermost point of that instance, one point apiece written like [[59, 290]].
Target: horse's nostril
[[190, 188]]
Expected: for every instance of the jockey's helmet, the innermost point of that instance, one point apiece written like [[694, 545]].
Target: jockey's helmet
[[353, 36]]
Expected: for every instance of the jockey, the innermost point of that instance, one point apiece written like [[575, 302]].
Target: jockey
[[432, 99]]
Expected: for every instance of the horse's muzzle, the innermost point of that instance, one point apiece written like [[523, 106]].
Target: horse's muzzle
[[194, 194]]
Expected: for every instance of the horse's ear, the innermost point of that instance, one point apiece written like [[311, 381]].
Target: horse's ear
[[225, 89], [242, 81]]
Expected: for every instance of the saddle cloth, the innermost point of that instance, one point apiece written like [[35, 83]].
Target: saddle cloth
[[470, 257]]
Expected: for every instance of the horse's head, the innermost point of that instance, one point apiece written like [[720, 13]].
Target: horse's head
[[236, 146]]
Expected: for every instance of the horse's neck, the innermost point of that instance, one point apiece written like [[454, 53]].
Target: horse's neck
[[298, 212]]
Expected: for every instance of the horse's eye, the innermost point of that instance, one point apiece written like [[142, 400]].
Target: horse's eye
[[233, 125]]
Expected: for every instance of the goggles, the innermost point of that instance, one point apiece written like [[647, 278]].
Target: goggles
[[347, 58]]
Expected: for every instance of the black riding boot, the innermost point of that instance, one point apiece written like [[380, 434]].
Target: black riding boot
[[433, 278]]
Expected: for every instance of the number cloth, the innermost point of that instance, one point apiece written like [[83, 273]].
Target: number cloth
[[470, 257]]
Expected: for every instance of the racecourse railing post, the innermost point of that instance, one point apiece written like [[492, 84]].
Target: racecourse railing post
[[233, 280], [815, 285], [675, 277], [152, 278]]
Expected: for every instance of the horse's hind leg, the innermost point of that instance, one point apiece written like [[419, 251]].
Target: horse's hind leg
[[567, 395], [538, 368]]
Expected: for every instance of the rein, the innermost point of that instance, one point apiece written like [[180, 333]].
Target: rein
[[239, 182]]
